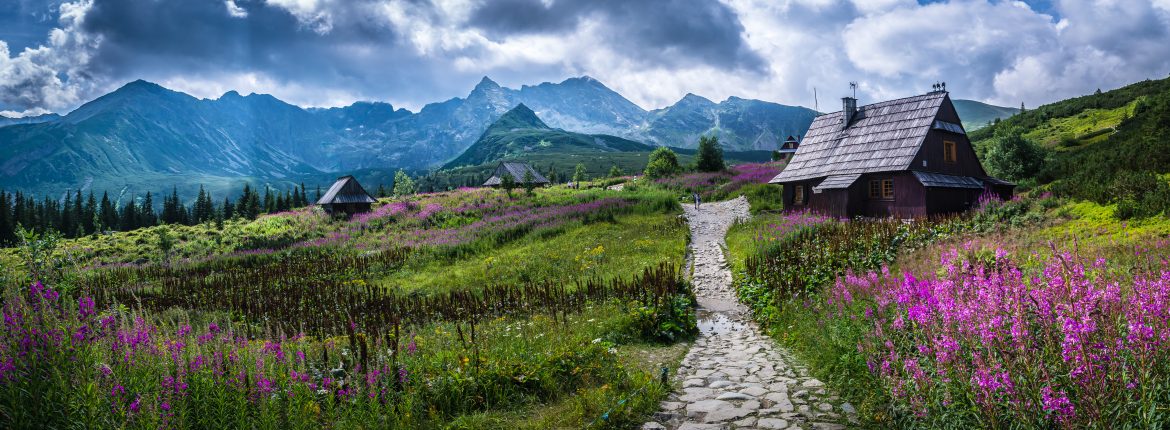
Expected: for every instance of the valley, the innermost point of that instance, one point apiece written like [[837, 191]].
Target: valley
[[614, 302]]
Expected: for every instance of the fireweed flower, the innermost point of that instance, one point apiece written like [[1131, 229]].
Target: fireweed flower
[[85, 307]]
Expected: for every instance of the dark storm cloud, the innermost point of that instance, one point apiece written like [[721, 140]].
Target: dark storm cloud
[[666, 32], [181, 34]]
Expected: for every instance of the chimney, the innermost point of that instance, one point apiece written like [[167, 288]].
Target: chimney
[[849, 110]]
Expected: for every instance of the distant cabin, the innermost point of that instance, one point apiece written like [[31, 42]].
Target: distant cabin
[[347, 197], [516, 171], [787, 149], [901, 158]]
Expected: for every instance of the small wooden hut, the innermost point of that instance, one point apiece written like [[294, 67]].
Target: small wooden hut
[[517, 171], [787, 149], [901, 158], [346, 196]]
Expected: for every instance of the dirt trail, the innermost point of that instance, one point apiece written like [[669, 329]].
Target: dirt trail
[[735, 377]]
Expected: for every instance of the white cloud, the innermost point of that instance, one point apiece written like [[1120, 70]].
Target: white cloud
[[234, 10], [998, 51], [314, 14], [53, 75], [213, 86], [24, 113]]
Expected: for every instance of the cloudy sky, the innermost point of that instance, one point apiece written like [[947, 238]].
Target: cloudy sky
[[55, 54]]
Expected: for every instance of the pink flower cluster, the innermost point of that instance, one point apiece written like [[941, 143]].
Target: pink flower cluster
[[1070, 346]]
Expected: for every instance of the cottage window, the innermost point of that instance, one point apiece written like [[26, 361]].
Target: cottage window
[[798, 195], [950, 155], [881, 189]]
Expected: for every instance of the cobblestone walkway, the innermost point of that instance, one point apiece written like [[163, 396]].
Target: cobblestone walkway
[[735, 377]]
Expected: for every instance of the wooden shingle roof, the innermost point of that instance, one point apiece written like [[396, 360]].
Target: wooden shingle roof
[[882, 137], [346, 190], [939, 180], [837, 182], [516, 170]]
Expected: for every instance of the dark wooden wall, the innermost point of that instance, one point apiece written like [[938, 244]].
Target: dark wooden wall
[[967, 162]]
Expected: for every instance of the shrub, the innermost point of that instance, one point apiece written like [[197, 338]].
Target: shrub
[[663, 163]]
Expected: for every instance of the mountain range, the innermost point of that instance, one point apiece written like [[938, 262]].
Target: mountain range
[[144, 137]]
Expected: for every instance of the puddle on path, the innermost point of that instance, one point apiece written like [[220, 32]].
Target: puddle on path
[[716, 323]]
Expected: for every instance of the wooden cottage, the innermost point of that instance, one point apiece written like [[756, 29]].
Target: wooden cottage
[[517, 171], [901, 158], [347, 197], [787, 149]]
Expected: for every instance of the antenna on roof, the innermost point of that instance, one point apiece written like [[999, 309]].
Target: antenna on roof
[[816, 104]]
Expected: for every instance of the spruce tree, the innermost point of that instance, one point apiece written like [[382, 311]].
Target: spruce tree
[[229, 210], [146, 215], [67, 226], [6, 228], [107, 213], [129, 216], [710, 156], [89, 214], [78, 216], [269, 200]]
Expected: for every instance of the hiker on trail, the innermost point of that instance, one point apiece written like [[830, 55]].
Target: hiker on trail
[[697, 200]]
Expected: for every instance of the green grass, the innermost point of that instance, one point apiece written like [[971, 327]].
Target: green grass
[[606, 250], [519, 372], [1088, 127]]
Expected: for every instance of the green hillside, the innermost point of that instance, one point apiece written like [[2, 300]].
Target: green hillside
[[977, 115], [519, 132], [1108, 147]]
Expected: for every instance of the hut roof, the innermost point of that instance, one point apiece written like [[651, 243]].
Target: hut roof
[[939, 180], [837, 182], [881, 137], [346, 190], [516, 170]]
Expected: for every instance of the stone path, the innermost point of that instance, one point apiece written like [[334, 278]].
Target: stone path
[[735, 377]]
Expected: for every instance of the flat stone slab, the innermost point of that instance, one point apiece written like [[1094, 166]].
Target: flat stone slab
[[735, 396], [772, 423], [729, 414], [707, 406]]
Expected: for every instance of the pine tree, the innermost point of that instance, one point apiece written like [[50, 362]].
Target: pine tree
[[67, 226], [78, 216], [269, 200], [229, 210], [89, 216], [129, 216], [710, 156], [146, 215], [108, 213], [304, 197], [199, 210], [7, 236]]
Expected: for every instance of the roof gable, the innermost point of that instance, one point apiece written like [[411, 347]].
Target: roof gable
[[517, 171], [882, 137], [346, 190]]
